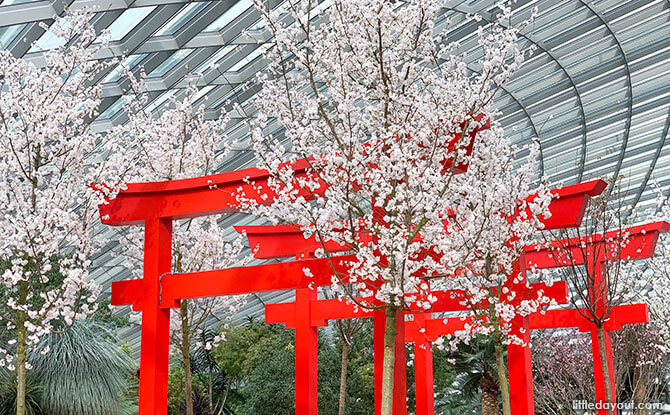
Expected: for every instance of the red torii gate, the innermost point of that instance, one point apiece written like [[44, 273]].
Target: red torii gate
[[641, 243], [156, 205]]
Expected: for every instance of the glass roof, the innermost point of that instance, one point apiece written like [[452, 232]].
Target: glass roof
[[170, 63], [228, 16], [131, 62], [10, 2]]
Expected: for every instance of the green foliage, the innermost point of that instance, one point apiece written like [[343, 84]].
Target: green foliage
[[458, 376], [205, 367], [176, 389], [360, 374], [269, 384], [233, 355], [82, 371], [8, 394], [104, 315]]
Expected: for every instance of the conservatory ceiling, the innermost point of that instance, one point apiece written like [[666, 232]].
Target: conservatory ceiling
[[595, 94]]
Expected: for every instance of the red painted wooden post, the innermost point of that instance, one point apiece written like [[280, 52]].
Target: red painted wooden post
[[599, 293], [306, 354], [519, 363], [601, 394], [299, 315], [154, 354], [423, 368]]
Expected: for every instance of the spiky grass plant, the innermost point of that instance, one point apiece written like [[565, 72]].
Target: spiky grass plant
[[82, 371], [8, 394]]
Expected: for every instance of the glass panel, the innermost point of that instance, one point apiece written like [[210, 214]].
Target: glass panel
[[113, 109], [211, 61], [203, 91], [160, 100], [228, 16], [49, 41], [9, 33], [250, 57], [9, 2], [230, 96], [131, 63], [127, 21], [170, 63], [181, 18]]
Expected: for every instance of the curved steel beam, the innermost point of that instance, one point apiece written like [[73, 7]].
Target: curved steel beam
[[659, 148], [629, 94]]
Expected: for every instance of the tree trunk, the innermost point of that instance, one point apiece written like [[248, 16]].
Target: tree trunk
[[210, 389], [21, 352], [343, 375], [605, 368], [502, 370], [389, 362], [224, 398], [489, 388], [186, 357], [640, 392]]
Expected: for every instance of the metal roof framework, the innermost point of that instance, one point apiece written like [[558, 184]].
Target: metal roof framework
[[595, 94]]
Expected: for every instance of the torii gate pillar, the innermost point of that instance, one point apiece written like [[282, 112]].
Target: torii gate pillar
[[306, 346], [155, 335], [423, 369], [519, 363]]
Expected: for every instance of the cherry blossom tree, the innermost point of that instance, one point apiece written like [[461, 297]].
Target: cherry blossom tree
[[561, 371], [178, 142], [47, 208], [501, 221], [382, 107], [641, 364]]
